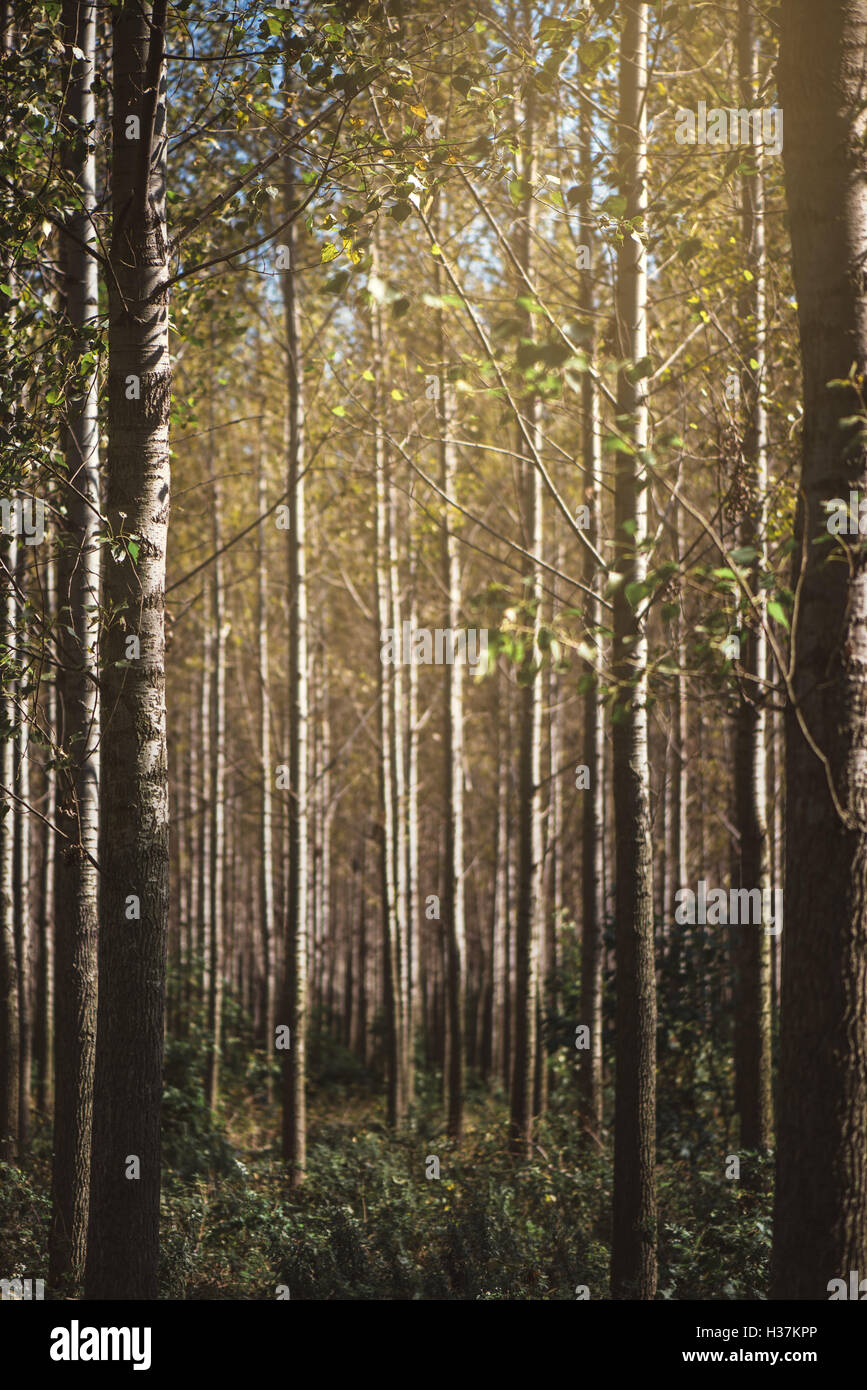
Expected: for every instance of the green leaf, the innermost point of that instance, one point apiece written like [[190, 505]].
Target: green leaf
[[777, 612], [328, 253]]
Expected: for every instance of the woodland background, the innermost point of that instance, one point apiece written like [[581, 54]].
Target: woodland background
[[362, 980]]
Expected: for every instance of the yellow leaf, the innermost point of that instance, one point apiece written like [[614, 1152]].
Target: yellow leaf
[[418, 111]]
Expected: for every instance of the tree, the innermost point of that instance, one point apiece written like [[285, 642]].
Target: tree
[[295, 989], [529, 886], [753, 1023], [820, 1205], [123, 1238], [77, 684], [592, 797], [633, 1252], [453, 747]]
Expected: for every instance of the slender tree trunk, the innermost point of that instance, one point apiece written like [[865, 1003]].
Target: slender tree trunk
[[385, 616], [11, 1038], [412, 849], [295, 991], [820, 1209], [528, 923], [204, 810], [633, 1254], [266, 860], [499, 927], [593, 757], [23, 942], [217, 807], [47, 922], [753, 944], [123, 1237], [453, 903]]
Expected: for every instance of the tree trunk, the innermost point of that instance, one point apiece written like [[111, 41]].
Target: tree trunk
[[10, 1060], [820, 1210], [266, 860], [593, 757], [453, 905], [217, 807], [22, 875], [295, 966], [385, 616], [123, 1237], [753, 1012], [633, 1253], [529, 886], [78, 704]]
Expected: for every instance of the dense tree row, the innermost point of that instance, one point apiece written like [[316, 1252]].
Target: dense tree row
[[495, 649]]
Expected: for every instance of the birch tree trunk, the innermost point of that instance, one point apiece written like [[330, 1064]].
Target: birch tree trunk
[[633, 1254]]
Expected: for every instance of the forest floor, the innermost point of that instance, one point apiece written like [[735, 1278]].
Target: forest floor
[[369, 1223]]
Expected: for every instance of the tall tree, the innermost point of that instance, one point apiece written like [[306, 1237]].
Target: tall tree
[[295, 966], [753, 1016], [10, 1060], [820, 1206], [593, 758], [123, 1237], [266, 821], [529, 868], [385, 616], [77, 683], [454, 923], [217, 808], [633, 1253]]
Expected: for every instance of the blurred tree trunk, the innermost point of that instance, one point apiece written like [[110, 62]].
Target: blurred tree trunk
[[820, 1207]]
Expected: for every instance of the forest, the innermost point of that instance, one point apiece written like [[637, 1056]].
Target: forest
[[433, 639]]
